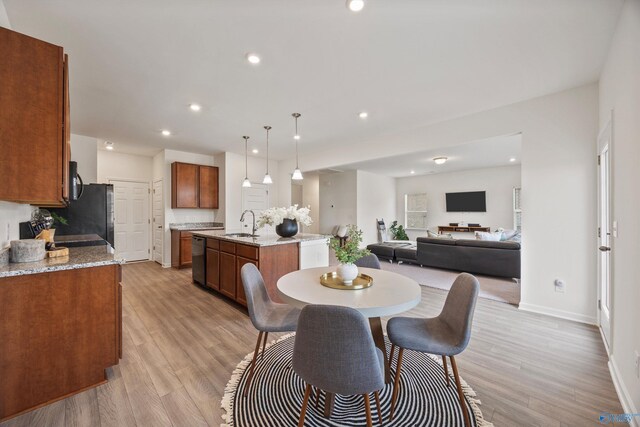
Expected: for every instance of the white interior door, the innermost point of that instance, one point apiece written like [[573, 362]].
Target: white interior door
[[131, 226], [256, 199], [604, 232], [157, 221]]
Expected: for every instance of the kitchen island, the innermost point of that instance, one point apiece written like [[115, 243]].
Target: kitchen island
[[60, 327], [224, 256]]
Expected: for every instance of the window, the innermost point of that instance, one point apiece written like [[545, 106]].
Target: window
[[415, 211], [517, 211]]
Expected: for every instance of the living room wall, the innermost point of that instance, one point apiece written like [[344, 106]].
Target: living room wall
[[620, 93], [497, 182]]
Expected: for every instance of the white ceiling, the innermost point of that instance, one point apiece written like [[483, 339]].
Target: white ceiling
[[136, 65], [486, 153]]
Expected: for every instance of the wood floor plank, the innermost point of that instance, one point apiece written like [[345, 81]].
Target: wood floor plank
[[181, 343]]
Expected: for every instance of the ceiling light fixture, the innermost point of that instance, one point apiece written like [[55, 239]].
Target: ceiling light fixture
[[108, 145], [355, 5], [513, 159], [363, 115], [194, 107], [166, 132], [255, 151], [412, 172], [440, 160], [267, 178], [246, 183], [253, 58], [297, 173]]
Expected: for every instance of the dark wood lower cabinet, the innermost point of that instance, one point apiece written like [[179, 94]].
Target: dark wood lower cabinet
[[225, 260], [59, 331], [213, 268], [228, 274]]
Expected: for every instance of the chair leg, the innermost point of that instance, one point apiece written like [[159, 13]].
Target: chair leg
[[463, 406], [446, 370], [367, 409], [317, 396], [305, 401], [253, 364], [377, 396], [264, 344], [393, 349], [396, 384]]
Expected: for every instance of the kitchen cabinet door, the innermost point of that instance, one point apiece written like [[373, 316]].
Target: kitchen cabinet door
[[213, 269], [240, 295], [184, 185], [185, 251], [228, 274], [32, 122], [208, 187]]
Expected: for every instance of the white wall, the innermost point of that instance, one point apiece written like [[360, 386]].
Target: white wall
[[338, 200], [376, 198], [497, 182], [123, 166], [311, 198], [4, 19], [620, 92], [10, 215], [84, 150], [558, 147]]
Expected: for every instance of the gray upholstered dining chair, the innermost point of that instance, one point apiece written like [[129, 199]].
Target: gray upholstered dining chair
[[369, 261], [266, 315], [445, 335], [334, 351]]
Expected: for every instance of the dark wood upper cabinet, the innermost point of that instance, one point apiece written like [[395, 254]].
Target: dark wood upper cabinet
[[194, 186], [208, 191], [34, 121]]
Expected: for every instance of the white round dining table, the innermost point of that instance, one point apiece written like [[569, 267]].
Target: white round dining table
[[391, 293]]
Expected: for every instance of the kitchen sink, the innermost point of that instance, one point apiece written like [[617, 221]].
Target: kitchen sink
[[241, 235]]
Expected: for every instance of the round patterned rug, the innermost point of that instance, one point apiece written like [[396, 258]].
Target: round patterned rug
[[276, 392]]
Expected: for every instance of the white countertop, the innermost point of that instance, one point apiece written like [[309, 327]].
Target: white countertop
[[266, 239]]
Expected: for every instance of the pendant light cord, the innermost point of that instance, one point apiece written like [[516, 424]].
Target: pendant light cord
[[246, 155]]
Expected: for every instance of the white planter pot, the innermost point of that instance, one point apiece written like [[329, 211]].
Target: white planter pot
[[347, 272]]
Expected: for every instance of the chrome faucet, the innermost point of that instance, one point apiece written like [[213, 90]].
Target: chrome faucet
[[253, 228]]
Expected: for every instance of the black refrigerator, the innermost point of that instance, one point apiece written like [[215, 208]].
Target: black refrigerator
[[92, 213]]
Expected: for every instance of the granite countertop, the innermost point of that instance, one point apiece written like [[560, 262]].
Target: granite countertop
[[266, 239], [188, 226], [83, 257]]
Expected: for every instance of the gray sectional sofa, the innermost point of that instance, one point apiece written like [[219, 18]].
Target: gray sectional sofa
[[501, 259]]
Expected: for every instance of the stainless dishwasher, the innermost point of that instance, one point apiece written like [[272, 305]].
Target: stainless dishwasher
[[198, 262]]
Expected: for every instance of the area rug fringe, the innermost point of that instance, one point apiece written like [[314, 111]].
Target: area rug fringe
[[232, 386]]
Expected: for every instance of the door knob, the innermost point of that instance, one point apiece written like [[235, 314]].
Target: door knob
[[604, 248]]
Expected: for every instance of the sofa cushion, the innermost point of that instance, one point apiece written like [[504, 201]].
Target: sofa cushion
[[492, 237], [488, 244], [451, 242], [407, 254], [433, 235]]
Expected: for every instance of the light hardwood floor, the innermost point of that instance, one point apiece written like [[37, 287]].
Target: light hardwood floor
[[181, 344]]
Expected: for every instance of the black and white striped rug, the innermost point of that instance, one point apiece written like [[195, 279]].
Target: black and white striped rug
[[276, 392]]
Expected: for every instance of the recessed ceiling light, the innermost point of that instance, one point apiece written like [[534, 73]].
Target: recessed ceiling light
[[440, 160], [254, 151], [363, 115], [296, 137], [253, 58], [166, 132], [413, 172], [195, 107], [513, 159], [108, 145], [355, 5]]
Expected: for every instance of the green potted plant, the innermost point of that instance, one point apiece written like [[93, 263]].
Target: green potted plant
[[398, 232], [348, 254]]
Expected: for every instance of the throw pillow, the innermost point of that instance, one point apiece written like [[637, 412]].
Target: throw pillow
[[507, 234], [483, 235], [433, 235]]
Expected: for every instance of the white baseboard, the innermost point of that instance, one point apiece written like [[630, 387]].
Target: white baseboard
[[166, 265], [623, 395], [562, 314]]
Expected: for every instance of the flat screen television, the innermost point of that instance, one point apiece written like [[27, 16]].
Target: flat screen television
[[470, 201]]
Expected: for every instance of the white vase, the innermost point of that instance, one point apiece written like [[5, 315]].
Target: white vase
[[347, 272]]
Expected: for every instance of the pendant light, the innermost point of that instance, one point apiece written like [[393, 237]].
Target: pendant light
[[297, 173], [246, 183], [267, 178]]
